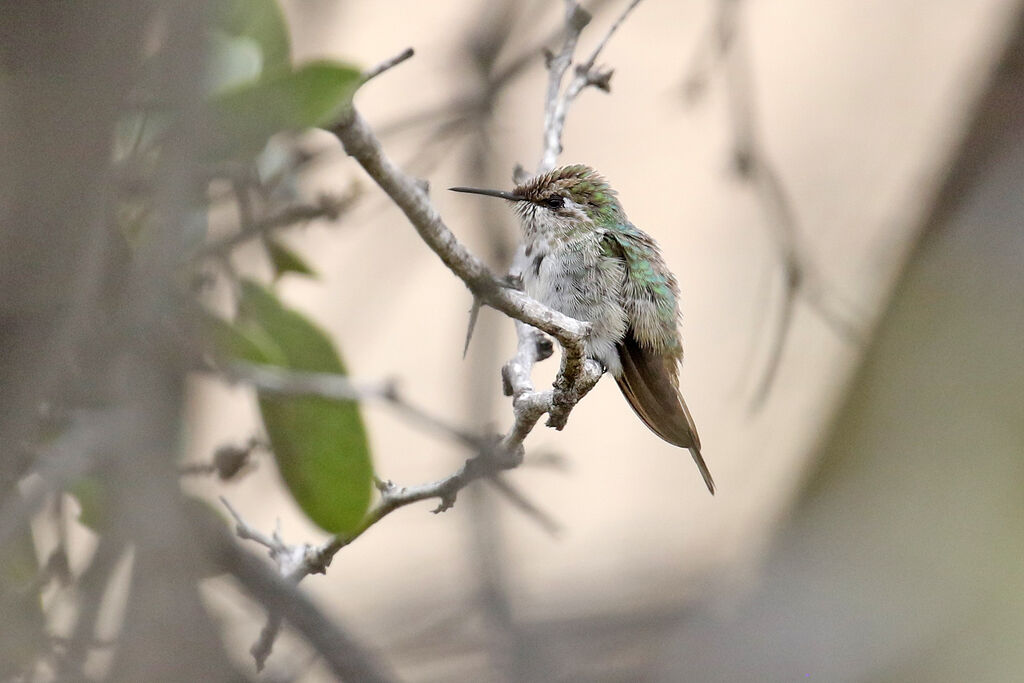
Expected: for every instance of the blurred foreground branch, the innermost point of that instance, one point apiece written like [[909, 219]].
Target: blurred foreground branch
[[272, 380]]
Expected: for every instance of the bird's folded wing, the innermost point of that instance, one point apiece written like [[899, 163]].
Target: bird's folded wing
[[652, 393]]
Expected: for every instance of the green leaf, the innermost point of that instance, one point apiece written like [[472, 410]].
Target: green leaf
[[260, 21], [320, 445], [243, 119], [285, 260], [251, 344]]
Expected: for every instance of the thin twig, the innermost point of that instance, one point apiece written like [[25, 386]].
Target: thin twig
[[558, 101], [507, 644], [387, 64], [347, 658], [576, 18], [250, 533], [589, 64], [474, 314], [411, 197], [282, 381], [330, 207], [525, 505], [272, 380], [491, 455], [297, 562]]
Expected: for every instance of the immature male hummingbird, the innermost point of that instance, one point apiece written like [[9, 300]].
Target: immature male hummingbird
[[589, 262]]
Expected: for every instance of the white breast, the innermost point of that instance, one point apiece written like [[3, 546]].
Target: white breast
[[575, 278]]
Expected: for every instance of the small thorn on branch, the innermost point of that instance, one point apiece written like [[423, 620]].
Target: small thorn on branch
[[600, 79], [474, 313]]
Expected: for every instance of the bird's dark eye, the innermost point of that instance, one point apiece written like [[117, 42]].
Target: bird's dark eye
[[555, 201]]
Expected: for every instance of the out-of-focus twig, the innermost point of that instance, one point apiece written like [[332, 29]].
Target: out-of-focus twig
[[507, 645], [273, 380], [65, 458], [330, 207], [525, 505], [339, 387], [724, 47]]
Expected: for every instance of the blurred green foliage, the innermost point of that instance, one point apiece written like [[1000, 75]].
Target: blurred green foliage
[[244, 118]]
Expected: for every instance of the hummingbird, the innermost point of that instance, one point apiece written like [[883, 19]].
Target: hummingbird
[[586, 260]]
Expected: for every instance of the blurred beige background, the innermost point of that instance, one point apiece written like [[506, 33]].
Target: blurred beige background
[[859, 106]]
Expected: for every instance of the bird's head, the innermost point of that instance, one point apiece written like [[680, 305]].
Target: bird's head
[[562, 202]]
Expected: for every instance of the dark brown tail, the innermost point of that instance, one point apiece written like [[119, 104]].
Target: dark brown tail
[[653, 394]]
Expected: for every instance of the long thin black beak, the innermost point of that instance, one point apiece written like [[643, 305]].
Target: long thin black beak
[[501, 194]]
